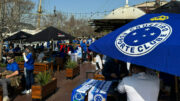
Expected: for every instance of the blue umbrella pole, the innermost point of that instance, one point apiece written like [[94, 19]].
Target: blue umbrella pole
[[177, 88]]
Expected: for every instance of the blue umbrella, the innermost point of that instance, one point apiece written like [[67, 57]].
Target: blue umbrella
[[152, 40]]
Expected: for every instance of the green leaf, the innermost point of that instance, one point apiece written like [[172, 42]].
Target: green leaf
[[43, 78]]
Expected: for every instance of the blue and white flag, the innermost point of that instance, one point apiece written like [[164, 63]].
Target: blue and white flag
[[79, 93], [152, 40], [99, 91]]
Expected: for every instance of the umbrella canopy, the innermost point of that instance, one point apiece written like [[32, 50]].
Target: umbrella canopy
[[19, 36], [171, 7], [50, 33], [152, 40]]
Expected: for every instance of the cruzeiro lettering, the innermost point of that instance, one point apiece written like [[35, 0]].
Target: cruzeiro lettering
[[142, 39]]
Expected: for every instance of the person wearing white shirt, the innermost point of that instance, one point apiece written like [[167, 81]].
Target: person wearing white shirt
[[141, 86], [99, 65], [56, 49], [40, 56]]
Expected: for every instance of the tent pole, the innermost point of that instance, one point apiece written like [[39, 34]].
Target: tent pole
[[20, 44], [176, 87], [53, 45]]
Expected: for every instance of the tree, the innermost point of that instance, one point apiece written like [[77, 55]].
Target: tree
[[57, 20], [15, 13], [12, 16], [74, 26]]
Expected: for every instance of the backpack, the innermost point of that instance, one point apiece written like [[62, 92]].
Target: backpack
[[14, 81]]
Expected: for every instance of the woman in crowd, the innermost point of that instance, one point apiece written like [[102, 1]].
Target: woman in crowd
[[28, 68]]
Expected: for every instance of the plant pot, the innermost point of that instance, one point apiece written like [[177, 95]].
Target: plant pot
[[72, 72], [41, 92]]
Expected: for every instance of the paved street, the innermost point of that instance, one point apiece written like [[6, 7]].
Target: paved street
[[65, 86]]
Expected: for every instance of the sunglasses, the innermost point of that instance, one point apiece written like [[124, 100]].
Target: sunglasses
[[9, 58]]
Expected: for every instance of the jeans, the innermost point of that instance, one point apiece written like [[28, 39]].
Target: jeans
[[29, 79], [4, 83], [84, 56]]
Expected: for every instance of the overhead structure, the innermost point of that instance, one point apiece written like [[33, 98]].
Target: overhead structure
[[19, 36], [124, 15], [171, 7], [117, 18], [50, 33], [150, 5]]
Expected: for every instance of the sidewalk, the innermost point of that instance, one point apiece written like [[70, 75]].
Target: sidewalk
[[65, 87]]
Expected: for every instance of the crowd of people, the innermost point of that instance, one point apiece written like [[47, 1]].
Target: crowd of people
[[39, 53], [137, 82], [12, 66]]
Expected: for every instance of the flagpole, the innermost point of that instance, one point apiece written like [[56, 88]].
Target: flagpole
[[39, 14]]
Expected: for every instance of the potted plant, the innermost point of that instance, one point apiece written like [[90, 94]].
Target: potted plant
[[72, 69], [20, 62], [44, 86], [19, 59]]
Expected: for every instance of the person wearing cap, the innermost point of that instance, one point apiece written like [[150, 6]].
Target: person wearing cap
[[141, 86], [11, 66]]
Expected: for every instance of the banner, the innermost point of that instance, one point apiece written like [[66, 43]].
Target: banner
[[99, 91], [79, 93]]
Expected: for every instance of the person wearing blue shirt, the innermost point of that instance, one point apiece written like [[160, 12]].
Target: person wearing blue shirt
[[81, 41], [17, 49], [42, 46], [11, 50], [58, 44], [28, 69], [11, 66], [89, 41], [84, 50], [74, 41], [48, 45]]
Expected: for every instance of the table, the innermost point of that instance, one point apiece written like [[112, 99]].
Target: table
[[91, 90]]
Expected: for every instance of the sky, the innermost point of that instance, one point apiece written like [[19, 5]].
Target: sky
[[83, 8]]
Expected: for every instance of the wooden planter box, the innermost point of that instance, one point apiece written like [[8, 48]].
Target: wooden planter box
[[40, 92], [38, 67], [1, 94], [72, 72]]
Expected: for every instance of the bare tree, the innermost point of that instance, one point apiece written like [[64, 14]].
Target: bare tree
[[12, 16], [72, 25], [16, 13]]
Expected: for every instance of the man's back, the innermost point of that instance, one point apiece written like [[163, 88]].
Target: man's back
[[140, 87]]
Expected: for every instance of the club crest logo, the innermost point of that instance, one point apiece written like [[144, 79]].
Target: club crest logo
[[98, 97], [78, 97], [142, 39]]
